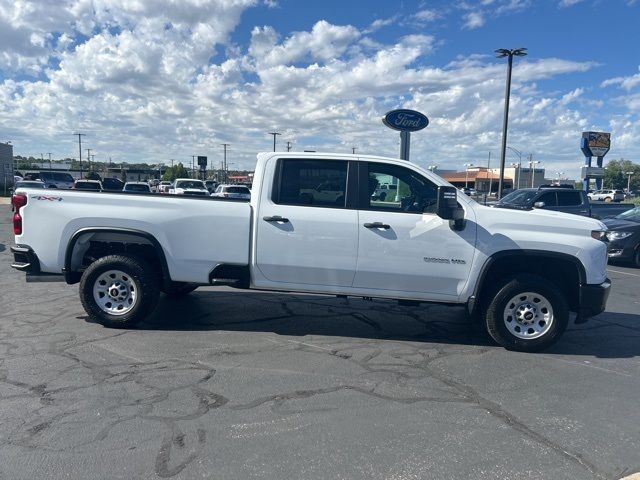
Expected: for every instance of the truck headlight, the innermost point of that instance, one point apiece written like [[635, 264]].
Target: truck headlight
[[611, 236], [599, 235]]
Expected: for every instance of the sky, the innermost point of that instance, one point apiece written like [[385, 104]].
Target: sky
[[156, 80]]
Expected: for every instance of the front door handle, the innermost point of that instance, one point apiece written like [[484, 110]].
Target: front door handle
[[276, 218], [384, 226]]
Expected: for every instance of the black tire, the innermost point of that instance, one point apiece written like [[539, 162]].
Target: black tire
[[383, 196], [144, 289], [549, 328], [179, 289], [636, 257]]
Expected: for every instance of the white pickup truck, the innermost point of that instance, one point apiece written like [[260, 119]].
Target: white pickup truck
[[521, 273]]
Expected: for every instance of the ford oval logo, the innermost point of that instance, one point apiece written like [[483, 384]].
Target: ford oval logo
[[405, 120]]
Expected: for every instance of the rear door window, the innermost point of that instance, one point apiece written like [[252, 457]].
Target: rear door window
[[312, 183], [549, 199], [569, 198]]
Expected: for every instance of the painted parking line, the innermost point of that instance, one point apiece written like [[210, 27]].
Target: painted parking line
[[625, 273], [633, 476]]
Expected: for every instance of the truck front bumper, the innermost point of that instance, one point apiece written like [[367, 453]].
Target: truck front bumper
[[593, 299]]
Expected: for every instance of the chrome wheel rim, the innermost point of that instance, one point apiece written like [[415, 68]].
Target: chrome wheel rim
[[528, 315], [115, 292]]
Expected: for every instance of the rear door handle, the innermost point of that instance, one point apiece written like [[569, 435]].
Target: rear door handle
[[276, 218], [384, 226]]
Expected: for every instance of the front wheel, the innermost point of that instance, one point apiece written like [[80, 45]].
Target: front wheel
[[119, 291], [527, 314], [608, 199]]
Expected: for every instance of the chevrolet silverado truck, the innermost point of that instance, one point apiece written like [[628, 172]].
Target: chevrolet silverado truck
[[520, 273]]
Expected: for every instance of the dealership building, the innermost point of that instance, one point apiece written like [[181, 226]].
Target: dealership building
[[6, 163]]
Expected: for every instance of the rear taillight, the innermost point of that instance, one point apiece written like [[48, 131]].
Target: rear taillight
[[18, 201]]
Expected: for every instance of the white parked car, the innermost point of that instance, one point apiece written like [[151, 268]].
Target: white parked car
[[136, 187], [164, 186], [232, 191], [518, 272], [607, 195], [189, 186]]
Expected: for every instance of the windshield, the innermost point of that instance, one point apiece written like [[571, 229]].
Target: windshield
[[29, 185], [136, 188], [632, 215], [238, 190], [518, 199], [190, 184]]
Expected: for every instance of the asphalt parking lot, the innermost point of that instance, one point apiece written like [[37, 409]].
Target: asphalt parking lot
[[228, 384]]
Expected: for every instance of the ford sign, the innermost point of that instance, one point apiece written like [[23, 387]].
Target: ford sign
[[405, 120]]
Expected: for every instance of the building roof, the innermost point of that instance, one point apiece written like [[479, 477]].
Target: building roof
[[471, 176]]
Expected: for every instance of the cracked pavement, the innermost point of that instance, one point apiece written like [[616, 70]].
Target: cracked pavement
[[238, 385]]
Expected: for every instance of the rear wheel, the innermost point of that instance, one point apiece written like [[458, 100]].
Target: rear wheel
[[119, 291], [636, 257], [608, 199], [527, 314]]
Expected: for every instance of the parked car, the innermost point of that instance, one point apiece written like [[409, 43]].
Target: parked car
[[94, 185], [137, 187], [607, 195], [549, 198], [28, 184], [232, 191], [189, 186], [624, 237], [469, 191], [561, 199], [112, 184], [518, 272], [386, 192], [164, 186], [56, 179]]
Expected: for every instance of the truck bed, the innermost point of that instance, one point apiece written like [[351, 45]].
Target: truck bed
[[195, 233]]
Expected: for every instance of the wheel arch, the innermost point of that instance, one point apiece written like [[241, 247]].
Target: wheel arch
[[75, 248], [565, 271]]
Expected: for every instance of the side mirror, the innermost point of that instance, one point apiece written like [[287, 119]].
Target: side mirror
[[447, 207], [539, 204]]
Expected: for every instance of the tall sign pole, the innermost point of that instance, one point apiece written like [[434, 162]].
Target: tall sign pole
[[405, 121], [594, 144]]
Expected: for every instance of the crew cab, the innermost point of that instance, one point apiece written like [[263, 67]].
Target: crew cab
[[519, 273]]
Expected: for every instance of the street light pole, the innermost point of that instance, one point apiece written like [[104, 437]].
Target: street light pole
[[80, 135], [519, 171], [509, 53], [532, 169], [466, 176], [275, 134], [628, 182]]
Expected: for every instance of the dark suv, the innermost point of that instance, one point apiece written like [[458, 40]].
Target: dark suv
[[555, 198]]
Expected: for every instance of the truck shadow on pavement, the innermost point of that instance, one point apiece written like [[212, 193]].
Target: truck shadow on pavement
[[609, 335]]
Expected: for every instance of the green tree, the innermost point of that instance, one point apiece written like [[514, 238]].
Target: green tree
[[616, 174], [177, 171]]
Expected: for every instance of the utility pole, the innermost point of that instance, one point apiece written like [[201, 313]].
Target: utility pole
[[41, 160], [628, 182], [49, 153], [80, 135], [224, 161], [288, 146], [489, 172], [88, 159], [353, 150], [275, 134], [193, 161]]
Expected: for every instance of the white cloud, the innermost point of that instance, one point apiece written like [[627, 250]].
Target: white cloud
[[427, 15], [163, 83], [473, 20], [569, 3], [627, 83]]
